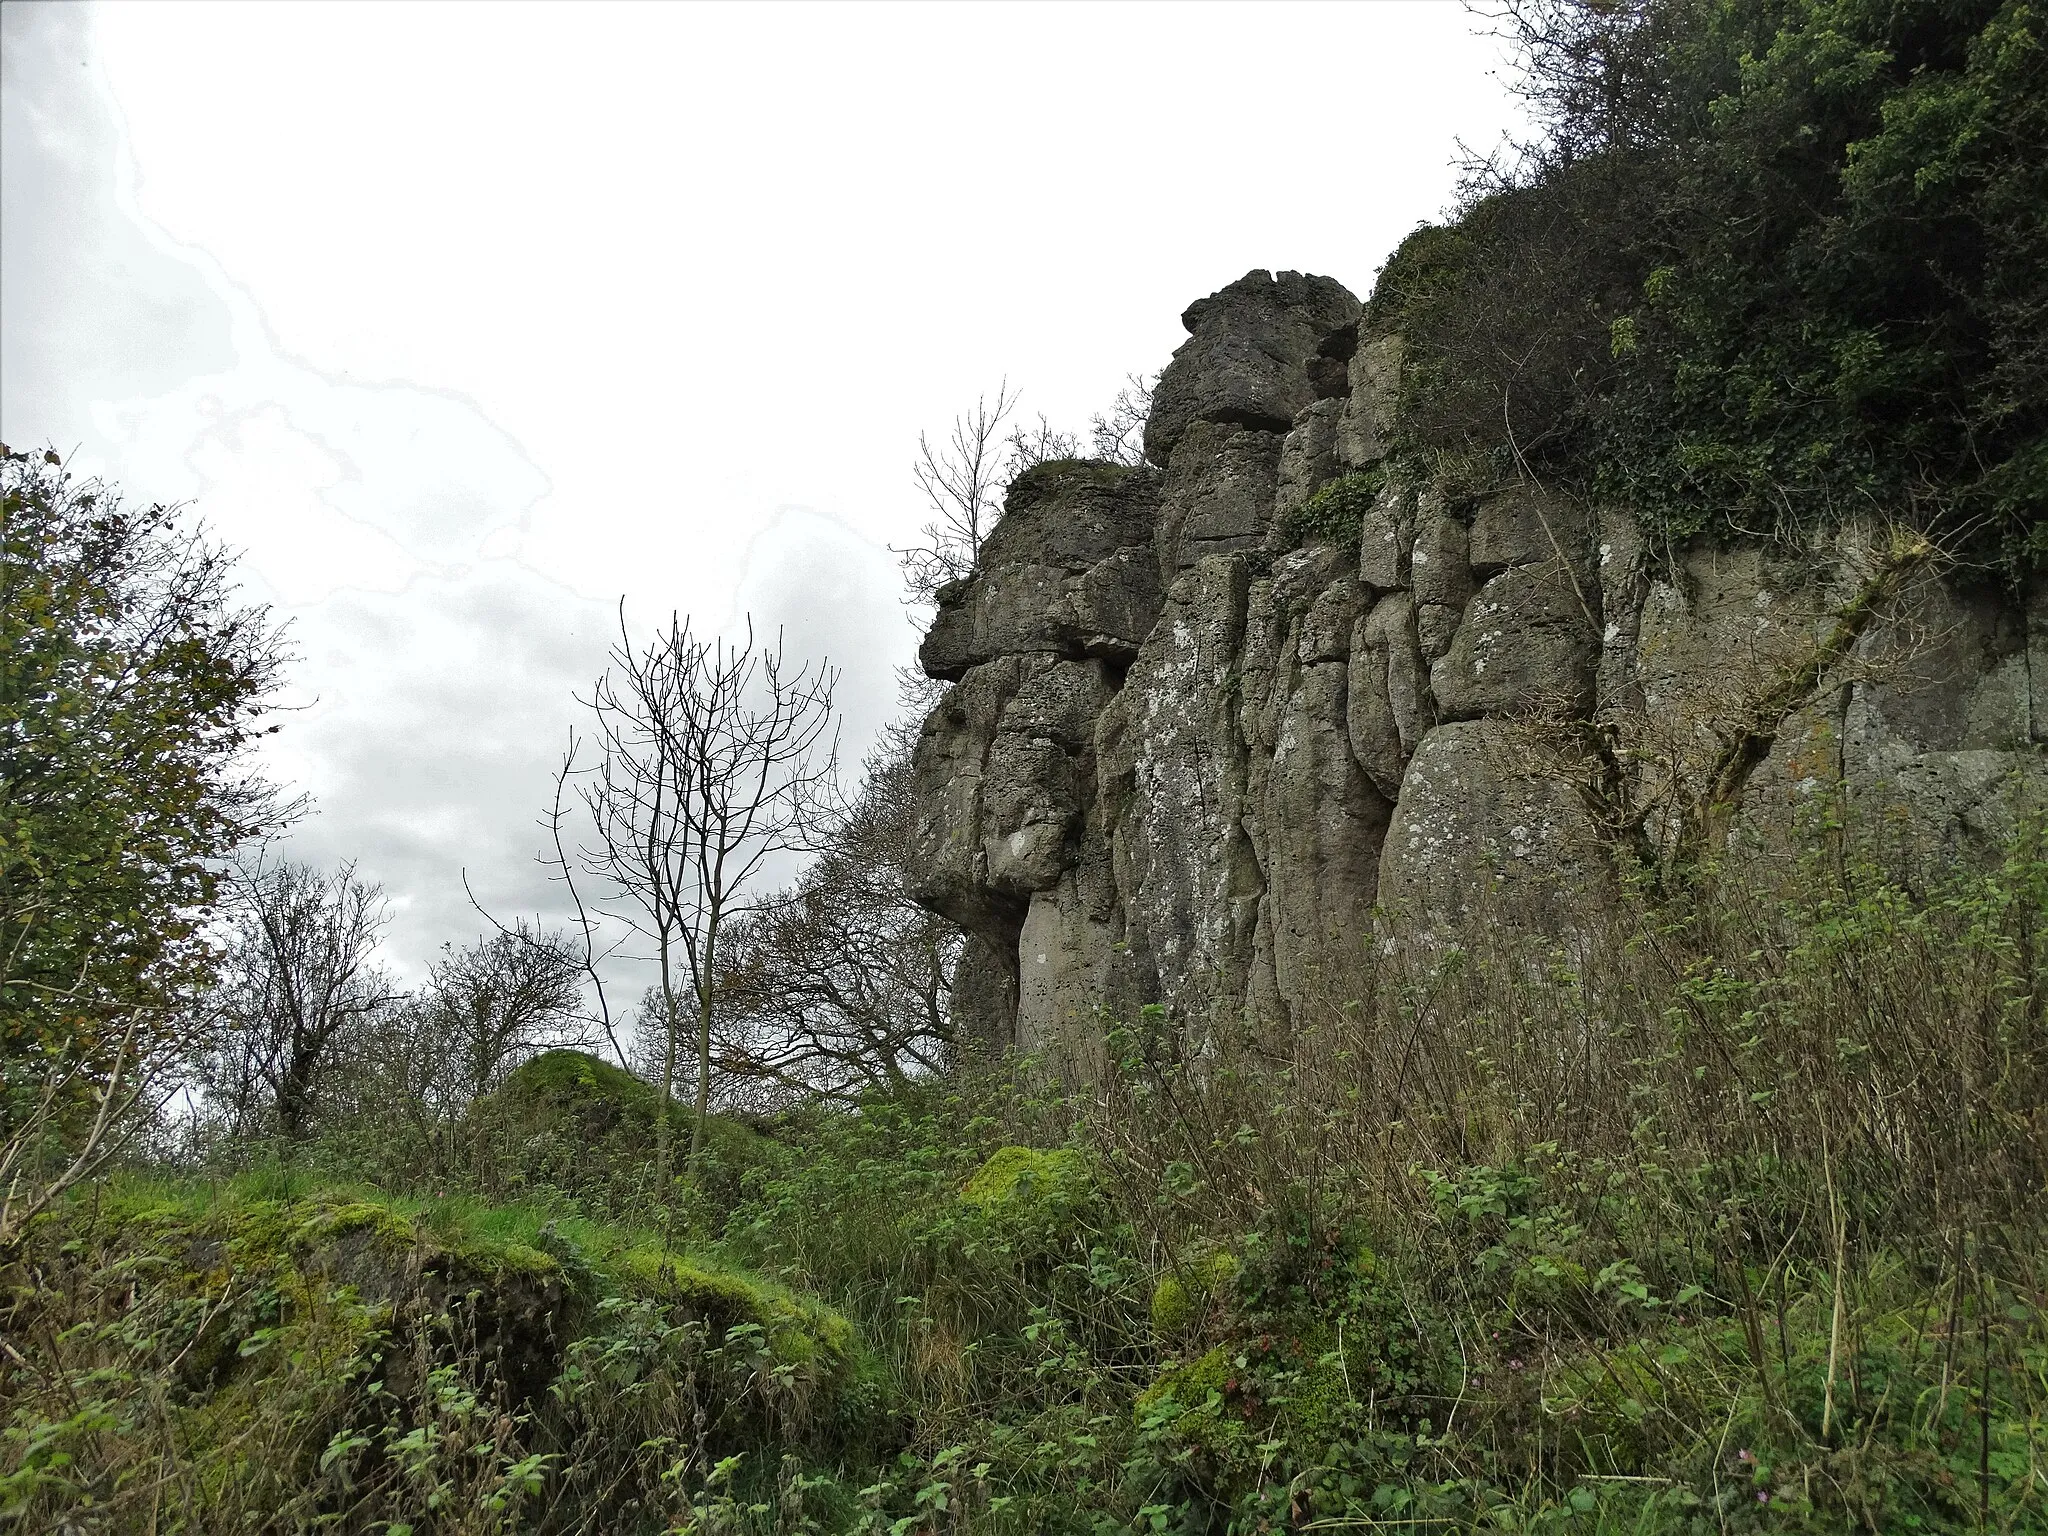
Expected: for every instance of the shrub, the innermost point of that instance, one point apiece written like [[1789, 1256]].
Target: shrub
[[1335, 512], [1770, 263]]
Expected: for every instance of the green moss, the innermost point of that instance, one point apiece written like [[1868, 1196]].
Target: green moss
[[1029, 1176], [1185, 1296], [798, 1331], [1196, 1401], [575, 1074], [209, 1229], [1323, 1400], [1305, 1389], [558, 1082], [326, 1223]]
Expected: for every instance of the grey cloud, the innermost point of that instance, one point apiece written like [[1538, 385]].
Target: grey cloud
[[832, 593], [441, 715]]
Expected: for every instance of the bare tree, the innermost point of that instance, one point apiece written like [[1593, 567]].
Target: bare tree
[[1118, 436], [1032, 446], [713, 758], [484, 1009], [300, 977], [500, 1000], [962, 481], [841, 984], [587, 944]]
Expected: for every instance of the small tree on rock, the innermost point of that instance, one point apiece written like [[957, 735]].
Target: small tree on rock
[[962, 482]]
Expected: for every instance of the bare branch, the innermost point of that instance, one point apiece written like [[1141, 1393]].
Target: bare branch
[[713, 759], [962, 482]]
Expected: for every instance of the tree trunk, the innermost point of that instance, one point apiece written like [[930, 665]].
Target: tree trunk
[[704, 996], [668, 1078], [703, 1083], [294, 1097]]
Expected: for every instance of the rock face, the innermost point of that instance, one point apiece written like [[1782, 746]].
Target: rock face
[[1183, 763]]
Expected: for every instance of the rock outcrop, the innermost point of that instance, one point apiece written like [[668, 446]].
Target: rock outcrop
[[1193, 756]]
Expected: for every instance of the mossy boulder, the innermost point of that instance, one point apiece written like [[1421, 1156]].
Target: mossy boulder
[[1027, 1201], [326, 1328], [346, 1254], [1311, 1336], [586, 1119], [1198, 1402], [1018, 1177], [1055, 477], [1307, 1389], [797, 1330], [1188, 1294]]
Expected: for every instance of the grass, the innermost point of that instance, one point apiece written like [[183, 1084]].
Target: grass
[[1726, 1218]]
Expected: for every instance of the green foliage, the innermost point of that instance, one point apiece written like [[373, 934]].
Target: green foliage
[[1776, 262], [1681, 1277], [579, 1124], [131, 684], [1335, 512]]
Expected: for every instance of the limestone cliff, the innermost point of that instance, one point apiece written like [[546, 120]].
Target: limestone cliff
[[1212, 735]]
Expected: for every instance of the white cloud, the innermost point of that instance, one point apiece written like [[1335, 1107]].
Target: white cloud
[[465, 320]]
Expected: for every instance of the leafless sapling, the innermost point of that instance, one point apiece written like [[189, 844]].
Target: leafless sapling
[[713, 758], [1118, 434], [962, 481]]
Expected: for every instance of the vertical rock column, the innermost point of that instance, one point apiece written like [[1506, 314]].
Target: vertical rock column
[[1035, 643]]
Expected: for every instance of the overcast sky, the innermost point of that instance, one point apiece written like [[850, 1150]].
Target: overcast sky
[[465, 321]]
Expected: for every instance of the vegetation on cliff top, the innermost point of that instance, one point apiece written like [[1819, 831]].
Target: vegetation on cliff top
[[1768, 263]]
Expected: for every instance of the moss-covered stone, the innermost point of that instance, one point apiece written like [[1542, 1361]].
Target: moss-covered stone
[[1015, 1176], [1304, 1389], [1026, 1203], [1198, 1401], [1188, 1293], [338, 1269], [798, 1330], [598, 1117], [1057, 476]]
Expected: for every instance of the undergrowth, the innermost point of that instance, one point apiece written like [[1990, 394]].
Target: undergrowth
[[1717, 1220]]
